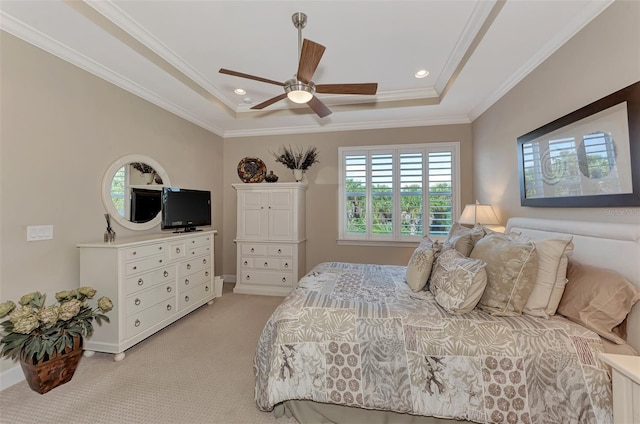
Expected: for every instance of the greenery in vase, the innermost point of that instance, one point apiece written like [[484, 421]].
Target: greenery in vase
[[34, 329], [297, 158]]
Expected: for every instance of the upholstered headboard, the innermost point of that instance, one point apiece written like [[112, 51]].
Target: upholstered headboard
[[606, 245]]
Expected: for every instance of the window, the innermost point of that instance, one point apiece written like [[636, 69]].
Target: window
[[383, 196]]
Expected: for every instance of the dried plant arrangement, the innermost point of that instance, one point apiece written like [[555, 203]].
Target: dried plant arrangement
[[297, 158]]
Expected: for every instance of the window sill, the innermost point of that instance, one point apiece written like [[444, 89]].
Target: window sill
[[383, 243]]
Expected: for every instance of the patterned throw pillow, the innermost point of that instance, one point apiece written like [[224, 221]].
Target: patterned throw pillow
[[511, 273], [463, 238], [419, 267], [458, 282]]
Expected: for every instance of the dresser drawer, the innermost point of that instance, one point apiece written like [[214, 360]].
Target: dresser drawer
[[200, 250], [192, 296], [144, 265], [149, 279], [199, 241], [254, 249], [280, 250], [143, 300], [193, 265], [149, 317], [268, 278], [195, 279], [177, 250], [144, 251]]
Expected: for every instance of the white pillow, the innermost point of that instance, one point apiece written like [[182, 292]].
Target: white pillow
[[419, 267], [458, 282], [551, 277]]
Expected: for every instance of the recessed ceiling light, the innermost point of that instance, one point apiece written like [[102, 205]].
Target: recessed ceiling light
[[422, 73], [239, 91]]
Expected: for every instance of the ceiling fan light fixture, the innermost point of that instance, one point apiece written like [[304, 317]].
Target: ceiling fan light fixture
[[299, 92]]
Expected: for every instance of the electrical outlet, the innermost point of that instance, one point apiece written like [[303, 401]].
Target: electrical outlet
[[39, 232]]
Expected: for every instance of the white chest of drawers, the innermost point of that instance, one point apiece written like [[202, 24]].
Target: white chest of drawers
[[152, 280], [270, 238]]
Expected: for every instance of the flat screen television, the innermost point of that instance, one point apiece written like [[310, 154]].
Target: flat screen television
[[145, 204], [185, 209]]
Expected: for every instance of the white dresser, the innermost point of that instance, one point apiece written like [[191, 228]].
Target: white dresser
[[270, 237], [152, 280], [626, 387]]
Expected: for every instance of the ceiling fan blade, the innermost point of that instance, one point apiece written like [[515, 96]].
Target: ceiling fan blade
[[270, 101], [310, 56], [364, 88], [318, 107], [252, 77]]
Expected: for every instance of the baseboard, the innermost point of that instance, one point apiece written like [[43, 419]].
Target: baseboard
[[10, 377], [229, 278]]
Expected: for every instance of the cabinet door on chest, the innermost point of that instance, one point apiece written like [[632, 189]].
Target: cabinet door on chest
[[265, 215]]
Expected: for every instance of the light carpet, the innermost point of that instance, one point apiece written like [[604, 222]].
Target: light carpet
[[197, 370]]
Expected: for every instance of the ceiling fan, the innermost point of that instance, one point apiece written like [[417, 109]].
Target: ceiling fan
[[300, 88]]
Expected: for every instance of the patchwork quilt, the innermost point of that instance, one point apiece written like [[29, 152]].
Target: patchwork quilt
[[356, 335]]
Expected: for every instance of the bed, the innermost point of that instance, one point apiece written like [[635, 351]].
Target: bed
[[354, 343]]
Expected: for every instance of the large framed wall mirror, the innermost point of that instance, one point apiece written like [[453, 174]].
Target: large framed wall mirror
[[588, 158], [131, 191]]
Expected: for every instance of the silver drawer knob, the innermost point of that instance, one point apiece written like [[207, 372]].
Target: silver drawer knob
[[169, 289], [166, 274], [206, 288], [160, 261], [141, 282], [206, 273], [246, 263], [135, 267], [186, 281], [137, 301], [286, 265], [284, 279], [252, 250], [204, 261], [137, 323], [188, 266], [279, 250], [248, 277], [177, 250], [134, 253], [186, 298], [266, 264], [168, 307]]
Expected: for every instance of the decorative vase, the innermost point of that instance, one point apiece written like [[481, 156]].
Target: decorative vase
[[52, 371], [149, 177], [271, 177], [298, 174]]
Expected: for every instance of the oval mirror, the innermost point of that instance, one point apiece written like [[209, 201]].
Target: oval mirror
[[131, 191]]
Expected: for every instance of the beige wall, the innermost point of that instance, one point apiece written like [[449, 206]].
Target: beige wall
[[322, 197], [61, 128], [601, 59]]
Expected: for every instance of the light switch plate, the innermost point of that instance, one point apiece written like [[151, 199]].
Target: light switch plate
[[39, 232]]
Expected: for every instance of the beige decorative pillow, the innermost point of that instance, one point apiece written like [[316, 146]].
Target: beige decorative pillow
[[597, 298], [463, 238], [511, 273], [419, 267], [550, 277], [458, 282]]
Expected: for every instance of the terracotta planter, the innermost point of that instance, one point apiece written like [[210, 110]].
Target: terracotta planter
[[52, 372]]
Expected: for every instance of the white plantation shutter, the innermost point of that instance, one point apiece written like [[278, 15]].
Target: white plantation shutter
[[384, 196]]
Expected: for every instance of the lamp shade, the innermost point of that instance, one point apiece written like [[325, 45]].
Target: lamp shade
[[478, 214]]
